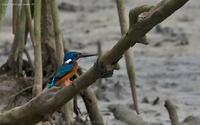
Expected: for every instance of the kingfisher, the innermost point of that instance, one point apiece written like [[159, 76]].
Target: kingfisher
[[64, 73]]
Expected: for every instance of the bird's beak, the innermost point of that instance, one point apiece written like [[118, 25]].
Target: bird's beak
[[83, 55]]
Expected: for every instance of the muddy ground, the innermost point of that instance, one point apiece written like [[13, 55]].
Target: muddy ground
[[167, 68]]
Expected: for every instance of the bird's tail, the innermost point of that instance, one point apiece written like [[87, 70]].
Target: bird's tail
[[52, 83]]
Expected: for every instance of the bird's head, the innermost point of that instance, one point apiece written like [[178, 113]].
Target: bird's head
[[70, 57]]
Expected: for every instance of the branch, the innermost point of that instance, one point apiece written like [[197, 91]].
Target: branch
[[37, 108], [91, 104], [172, 112], [129, 53]]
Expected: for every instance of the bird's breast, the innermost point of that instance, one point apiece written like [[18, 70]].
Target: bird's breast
[[70, 74]]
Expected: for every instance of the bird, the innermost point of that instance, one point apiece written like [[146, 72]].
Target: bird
[[64, 73]]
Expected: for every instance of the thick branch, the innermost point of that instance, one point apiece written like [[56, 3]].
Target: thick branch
[[36, 109]]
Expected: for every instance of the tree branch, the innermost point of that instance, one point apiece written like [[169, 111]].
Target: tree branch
[[128, 54], [91, 104], [37, 108], [172, 112]]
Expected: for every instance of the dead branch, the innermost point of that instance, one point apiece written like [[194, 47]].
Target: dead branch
[[37, 108], [172, 112]]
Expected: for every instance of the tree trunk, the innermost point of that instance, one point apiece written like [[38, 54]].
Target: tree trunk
[[48, 39]]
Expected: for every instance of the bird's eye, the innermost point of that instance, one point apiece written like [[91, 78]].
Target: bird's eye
[[68, 61]]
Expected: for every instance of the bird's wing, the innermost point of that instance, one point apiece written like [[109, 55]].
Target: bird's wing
[[61, 72]]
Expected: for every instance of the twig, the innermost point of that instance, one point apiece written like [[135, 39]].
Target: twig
[[172, 112]]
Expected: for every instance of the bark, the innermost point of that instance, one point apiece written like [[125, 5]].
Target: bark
[[37, 108], [128, 54], [91, 104]]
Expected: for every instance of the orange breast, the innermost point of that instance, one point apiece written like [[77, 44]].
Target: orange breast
[[68, 75]]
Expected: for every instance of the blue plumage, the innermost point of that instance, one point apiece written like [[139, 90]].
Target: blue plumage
[[61, 72]]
